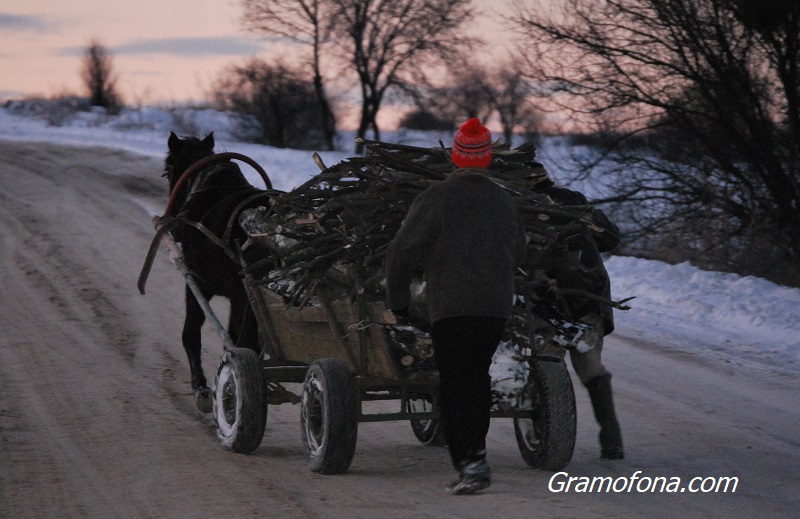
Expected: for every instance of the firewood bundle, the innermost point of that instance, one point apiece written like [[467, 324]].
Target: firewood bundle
[[332, 232]]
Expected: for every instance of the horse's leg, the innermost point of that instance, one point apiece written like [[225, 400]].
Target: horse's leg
[[192, 326]]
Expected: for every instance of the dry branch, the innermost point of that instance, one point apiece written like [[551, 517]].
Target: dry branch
[[334, 230]]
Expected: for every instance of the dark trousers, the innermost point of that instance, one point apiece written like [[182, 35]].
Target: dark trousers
[[463, 348]]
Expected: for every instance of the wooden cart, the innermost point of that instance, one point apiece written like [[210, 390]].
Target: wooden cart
[[341, 352]]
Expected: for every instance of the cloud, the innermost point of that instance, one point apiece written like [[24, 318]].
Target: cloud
[[184, 47], [16, 22], [191, 47]]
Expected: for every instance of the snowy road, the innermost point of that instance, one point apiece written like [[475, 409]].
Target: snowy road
[[97, 418]]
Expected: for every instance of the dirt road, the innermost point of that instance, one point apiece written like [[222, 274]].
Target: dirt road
[[97, 417]]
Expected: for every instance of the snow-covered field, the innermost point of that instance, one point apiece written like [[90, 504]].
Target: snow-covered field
[[745, 322]]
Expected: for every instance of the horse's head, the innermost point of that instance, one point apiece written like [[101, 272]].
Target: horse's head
[[183, 153]]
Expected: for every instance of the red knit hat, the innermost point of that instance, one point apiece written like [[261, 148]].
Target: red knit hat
[[472, 146]]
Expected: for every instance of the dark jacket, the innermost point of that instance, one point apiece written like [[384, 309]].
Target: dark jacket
[[468, 235], [589, 245]]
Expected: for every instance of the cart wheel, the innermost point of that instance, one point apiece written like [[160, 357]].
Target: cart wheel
[[547, 440], [240, 409], [428, 432], [329, 416]]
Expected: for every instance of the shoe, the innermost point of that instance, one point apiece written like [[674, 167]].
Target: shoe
[[468, 485], [612, 453], [474, 477]]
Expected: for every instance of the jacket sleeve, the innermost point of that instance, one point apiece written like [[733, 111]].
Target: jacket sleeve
[[605, 240], [609, 238], [408, 250]]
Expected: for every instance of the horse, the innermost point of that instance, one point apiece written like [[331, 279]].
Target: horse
[[210, 201]]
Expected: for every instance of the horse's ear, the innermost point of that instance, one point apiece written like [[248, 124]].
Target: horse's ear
[[209, 141], [173, 142]]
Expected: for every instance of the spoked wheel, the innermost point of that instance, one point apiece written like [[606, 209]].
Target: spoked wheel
[[547, 439], [430, 431], [240, 409], [329, 416]]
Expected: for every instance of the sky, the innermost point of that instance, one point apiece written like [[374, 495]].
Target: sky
[[163, 51], [743, 322], [166, 51]]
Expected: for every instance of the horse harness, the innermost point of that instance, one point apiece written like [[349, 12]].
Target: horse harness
[[168, 223]]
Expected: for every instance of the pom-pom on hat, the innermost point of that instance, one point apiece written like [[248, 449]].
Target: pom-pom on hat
[[472, 146]]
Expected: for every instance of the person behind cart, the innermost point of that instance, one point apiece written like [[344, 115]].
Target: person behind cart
[[467, 234], [589, 366], [586, 248]]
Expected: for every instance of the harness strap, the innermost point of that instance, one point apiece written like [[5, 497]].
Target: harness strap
[[223, 242], [237, 210], [163, 226], [212, 237], [212, 159]]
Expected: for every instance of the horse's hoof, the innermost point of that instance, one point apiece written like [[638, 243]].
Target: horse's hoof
[[203, 400]]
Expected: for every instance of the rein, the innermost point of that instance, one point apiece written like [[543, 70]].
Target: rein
[[207, 161]]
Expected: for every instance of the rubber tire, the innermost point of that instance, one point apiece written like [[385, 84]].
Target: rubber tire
[[428, 432], [240, 409], [329, 416], [548, 440]]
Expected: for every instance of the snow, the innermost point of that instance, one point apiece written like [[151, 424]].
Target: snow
[[744, 322]]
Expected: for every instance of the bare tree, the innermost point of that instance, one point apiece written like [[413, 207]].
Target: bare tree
[[278, 104], [98, 77], [388, 42], [425, 120], [510, 96], [702, 98], [479, 90], [306, 22], [466, 94]]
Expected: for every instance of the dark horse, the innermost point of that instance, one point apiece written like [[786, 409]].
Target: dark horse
[[212, 198]]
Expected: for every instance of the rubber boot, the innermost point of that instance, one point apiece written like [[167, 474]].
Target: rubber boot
[[603, 405]]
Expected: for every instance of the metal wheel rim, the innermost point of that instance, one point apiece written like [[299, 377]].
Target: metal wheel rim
[[421, 405], [227, 401], [313, 415]]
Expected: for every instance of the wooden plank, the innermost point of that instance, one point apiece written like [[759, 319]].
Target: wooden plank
[[255, 296], [304, 337], [335, 326], [345, 313]]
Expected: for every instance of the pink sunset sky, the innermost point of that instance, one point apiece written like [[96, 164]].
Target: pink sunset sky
[[163, 51]]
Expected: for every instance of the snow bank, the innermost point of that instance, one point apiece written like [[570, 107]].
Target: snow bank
[[751, 319]]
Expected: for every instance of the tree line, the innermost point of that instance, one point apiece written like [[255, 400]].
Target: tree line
[[690, 108]]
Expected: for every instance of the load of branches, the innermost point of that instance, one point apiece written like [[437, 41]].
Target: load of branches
[[332, 232]]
